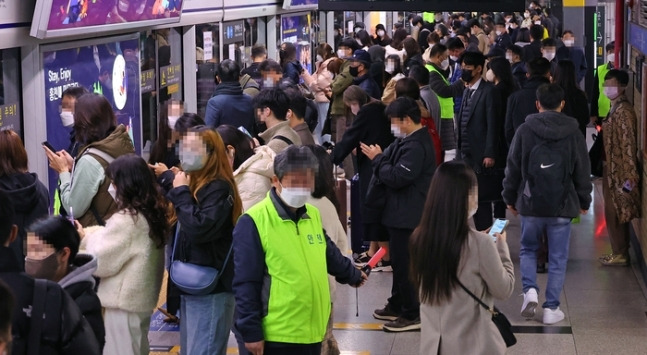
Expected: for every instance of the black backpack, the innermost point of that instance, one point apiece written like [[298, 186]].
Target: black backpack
[[312, 115], [548, 172]]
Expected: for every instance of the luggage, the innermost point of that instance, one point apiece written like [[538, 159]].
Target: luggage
[[340, 192], [357, 232]]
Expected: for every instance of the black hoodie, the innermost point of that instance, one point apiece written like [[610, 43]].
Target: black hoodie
[[549, 126], [31, 202]]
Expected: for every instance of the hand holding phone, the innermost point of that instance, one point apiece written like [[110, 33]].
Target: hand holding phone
[[49, 146], [499, 226]]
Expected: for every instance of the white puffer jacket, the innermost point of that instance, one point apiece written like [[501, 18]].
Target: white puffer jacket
[[253, 176], [129, 264]]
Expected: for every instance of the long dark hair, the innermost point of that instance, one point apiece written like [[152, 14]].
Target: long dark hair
[[94, 118], [240, 141], [137, 192], [287, 54], [324, 180], [437, 243], [163, 143], [503, 71], [565, 77]]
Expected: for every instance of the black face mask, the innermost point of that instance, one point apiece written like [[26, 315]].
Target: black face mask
[[467, 76], [354, 71], [261, 126]]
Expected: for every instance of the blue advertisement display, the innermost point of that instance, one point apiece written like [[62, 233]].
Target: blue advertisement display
[[110, 69], [296, 29]]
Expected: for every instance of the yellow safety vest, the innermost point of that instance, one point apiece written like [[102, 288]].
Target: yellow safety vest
[[604, 104], [446, 103]]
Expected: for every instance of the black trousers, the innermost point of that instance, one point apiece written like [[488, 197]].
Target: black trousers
[[483, 216], [404, 297], [292, 349]]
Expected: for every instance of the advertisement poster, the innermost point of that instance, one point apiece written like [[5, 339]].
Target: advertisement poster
[[84, 13], [296, 29], [110, 69]]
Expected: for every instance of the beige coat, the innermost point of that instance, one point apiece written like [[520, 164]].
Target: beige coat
[[253, 176], [281, 129], [461, 325]]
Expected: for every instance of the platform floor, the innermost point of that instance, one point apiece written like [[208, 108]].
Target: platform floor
[[605, 307]]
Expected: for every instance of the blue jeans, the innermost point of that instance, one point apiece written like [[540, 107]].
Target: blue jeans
[[206, 321], [558, 232]]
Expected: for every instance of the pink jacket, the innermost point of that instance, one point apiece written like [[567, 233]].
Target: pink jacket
[[319, 81]]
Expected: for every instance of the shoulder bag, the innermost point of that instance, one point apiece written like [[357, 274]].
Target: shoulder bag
[[499, 319], [194, 279]]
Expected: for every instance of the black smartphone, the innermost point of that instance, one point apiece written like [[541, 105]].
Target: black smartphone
[[49, 146]]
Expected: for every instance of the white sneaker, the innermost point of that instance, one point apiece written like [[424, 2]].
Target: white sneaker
[[552, 316], [530, 303]]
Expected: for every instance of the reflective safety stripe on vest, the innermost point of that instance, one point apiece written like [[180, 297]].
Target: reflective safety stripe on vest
[[446, 103], [604, 104], [298, 306]]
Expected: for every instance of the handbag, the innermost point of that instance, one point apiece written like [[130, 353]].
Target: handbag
[[595, 155], [194, 279], [500, 320]]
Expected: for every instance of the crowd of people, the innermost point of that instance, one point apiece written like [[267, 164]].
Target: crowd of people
[[446, 126]]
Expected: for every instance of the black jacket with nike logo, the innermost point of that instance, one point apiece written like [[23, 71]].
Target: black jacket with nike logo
[[564, 131]]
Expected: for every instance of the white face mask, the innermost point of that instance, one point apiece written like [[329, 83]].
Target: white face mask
[[508, 57], [549, 55], [498, 33], [537, 22], [172, 120], [397, 131], [354, 108], [359, 42], [294, 197], [472, 205], [445, 64], [489, 76], [389, 68], [67, 118], [569, 42], [611, 92], [526, 15], [611, 57], [341, 53], [268, 83], [191, 160], [319, 58], [112, 191], [381, 33], [453, 58]]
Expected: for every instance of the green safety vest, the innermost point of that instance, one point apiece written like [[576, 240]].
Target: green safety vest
[[446, 103], [295, 256], [604, 104]]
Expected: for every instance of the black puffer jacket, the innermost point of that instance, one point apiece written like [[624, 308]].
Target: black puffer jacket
[[31, 202], [406, 168], [206, 228], [64, 329]]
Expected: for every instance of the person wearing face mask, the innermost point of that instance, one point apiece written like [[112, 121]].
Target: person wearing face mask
[[393, 70], [502, 41], [574, 54], [103, 141], [68, 332], [446, 92], [620, 176], [129, 251], [381, 38], [207, 205], [446, 249], [480, 127], [549, 51], [29, 194], [341, 82], [514, 55], [360, 64], [67, 114], [547, 207], [404, 171], [229, 105], [271, 107], [271, 240], [600, 103], [164, 148], [53, 254], [370, 126]]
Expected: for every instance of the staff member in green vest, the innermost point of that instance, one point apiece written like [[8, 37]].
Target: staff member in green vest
[[600, 103], [282, 258], [438, 67]]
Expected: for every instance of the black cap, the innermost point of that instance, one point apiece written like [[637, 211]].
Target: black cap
[[362, 56]]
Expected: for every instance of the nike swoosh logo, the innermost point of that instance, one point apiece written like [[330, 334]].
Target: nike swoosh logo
[[546, 166]]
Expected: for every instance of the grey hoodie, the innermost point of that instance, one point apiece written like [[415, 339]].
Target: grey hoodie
[[555, 126], [83, 266]]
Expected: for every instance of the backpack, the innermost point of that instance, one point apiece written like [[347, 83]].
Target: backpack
[[548, 169], [312, 115]]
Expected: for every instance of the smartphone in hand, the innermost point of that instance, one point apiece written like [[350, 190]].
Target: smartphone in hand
[[49, 146], [498, 227]]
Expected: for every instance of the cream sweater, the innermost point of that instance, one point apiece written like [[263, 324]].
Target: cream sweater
[[129, 264]]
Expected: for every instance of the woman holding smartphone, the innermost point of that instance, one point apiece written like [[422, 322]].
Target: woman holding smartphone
[[447, 252]]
